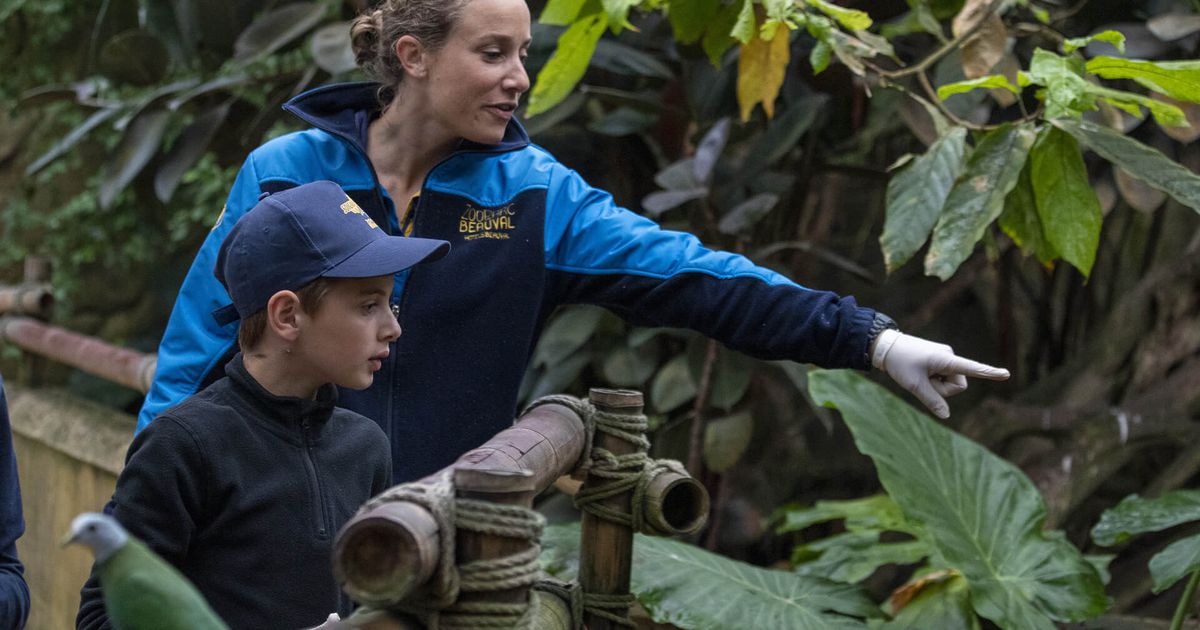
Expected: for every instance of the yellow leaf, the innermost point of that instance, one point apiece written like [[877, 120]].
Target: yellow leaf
[[761, 68]]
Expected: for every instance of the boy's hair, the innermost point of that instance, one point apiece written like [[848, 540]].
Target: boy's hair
[[252, 328]]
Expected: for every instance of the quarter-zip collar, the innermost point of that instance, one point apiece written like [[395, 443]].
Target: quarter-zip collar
[[300, 418], [336, 109]]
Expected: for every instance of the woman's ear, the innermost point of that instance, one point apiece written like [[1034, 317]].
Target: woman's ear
[[412, 56], [285, 315]]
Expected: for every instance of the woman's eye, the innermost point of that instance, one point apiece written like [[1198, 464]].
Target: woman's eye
[[493, 55]]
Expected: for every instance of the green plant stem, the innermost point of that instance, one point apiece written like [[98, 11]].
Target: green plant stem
[[1185, 601]]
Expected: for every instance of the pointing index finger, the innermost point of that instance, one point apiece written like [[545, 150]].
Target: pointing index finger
[[975, 369]]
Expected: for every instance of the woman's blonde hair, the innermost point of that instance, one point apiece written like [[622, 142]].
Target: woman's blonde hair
[[373, 34]]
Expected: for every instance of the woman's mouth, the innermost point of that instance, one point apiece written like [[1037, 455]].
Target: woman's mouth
[[502, 110]]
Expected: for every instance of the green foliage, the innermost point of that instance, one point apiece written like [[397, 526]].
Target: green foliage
[[856, 554], [1137, 159], [916, 196], [689, 587], [1136, 515], [144, 99], [567, 65], [983, 517], [1067, 207], [977, 198]]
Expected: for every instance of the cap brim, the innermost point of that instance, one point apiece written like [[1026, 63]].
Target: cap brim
[[389, 255]]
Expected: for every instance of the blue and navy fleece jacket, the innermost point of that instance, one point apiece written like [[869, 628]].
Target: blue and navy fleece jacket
[[528, 234]]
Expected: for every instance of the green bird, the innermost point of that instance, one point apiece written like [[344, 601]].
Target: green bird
[[141, 590]]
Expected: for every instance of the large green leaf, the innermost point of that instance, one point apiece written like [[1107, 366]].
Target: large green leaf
[[1136, 515], [1177, 79], [718, 36], [857, 553], [725, 439], [569, 330], [188, 148], [944, 604], [71, 139], [689, 18], [1021, 222], [673, 385], [852, 19], [1067, 206], [1069, 94], [627, 366], [977, 197], [568, 63], [1138, 160], [986, 82], [140, 142], [561, 12], [730, 376], [689, 587], [277, 28], [1177, 561], [852, 557], [984, 517], [782, 135], [916, 196], [869, 514]]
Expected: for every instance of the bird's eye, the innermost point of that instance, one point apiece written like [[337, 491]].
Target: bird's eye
[[91, 528]]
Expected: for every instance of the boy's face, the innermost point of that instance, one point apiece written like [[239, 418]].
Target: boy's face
[[346, 340]]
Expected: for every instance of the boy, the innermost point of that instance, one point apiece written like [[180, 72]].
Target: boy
[[243, 485]]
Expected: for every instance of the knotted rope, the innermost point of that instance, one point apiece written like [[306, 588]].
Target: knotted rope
[[440, 606]]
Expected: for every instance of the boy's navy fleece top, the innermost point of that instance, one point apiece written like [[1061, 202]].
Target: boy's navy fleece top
[[14, 592], [243, 491], [528, 235]]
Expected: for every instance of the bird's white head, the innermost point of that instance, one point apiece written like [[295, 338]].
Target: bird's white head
[[101, 532]]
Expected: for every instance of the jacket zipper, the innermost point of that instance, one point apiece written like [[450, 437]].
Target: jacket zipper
[[315, 480]]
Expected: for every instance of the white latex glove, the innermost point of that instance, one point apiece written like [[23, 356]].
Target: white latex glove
[[930, 371], [333, 621]]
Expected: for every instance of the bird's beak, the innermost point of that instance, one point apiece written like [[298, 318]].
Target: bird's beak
[[66, 540]]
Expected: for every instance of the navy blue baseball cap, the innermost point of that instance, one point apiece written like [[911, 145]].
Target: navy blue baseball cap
[[290, 238]]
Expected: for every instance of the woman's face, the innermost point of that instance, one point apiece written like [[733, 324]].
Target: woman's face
[[476, 79]]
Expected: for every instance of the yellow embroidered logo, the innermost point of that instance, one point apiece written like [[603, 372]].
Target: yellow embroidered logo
[[352, 208], [487, 222]]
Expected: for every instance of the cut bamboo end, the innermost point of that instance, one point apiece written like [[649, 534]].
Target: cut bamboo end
[[616, 398], [383, 555], [676, 504]]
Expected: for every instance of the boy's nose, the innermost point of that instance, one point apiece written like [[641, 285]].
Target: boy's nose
[[391, 327]]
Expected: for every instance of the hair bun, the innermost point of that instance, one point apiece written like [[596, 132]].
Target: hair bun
[[365, 33]]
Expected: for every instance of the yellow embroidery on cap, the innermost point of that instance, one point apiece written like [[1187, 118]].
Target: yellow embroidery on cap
[[352, 208]]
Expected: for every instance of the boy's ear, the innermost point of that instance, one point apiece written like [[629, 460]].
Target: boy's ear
[[284, 315], [412, 55]]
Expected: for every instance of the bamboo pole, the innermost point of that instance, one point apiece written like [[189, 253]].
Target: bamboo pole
[[123, 366], [606, 552], [676, 504], [383, 555], [35, 300]]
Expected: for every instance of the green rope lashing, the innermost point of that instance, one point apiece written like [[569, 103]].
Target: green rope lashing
[[614, 608], [440, 607], [569, 592]]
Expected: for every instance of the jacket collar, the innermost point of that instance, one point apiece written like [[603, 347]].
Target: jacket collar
[[336, 109], [288, 411]]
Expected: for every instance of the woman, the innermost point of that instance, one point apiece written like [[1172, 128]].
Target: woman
[[432, 150]]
